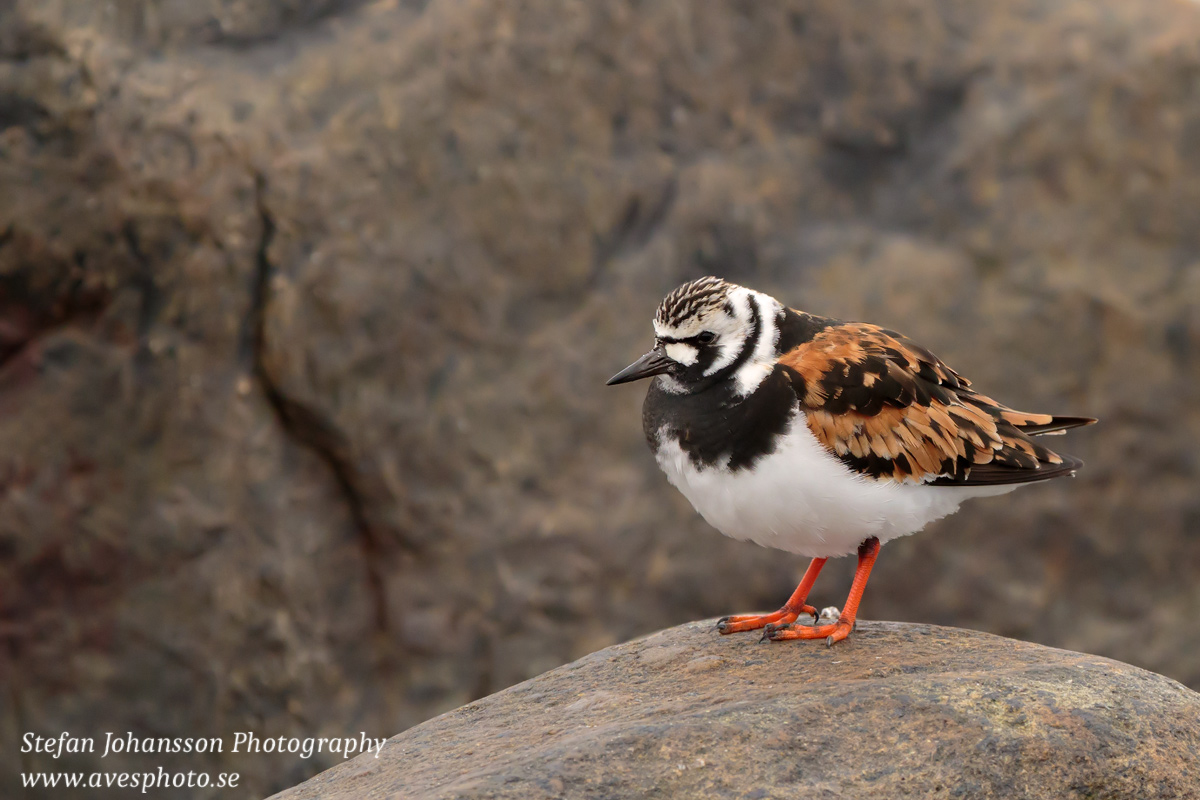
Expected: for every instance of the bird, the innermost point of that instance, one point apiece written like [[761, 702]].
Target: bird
[[821, 437]]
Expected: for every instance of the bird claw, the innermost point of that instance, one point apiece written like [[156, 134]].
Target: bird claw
[[840, 631], [770, 628]]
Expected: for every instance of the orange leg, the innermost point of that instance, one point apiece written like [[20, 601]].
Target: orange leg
[[792, 609], [867, 551]]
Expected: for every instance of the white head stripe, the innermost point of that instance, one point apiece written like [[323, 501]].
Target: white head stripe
[[762, 361], [732, 334], [683, 353]]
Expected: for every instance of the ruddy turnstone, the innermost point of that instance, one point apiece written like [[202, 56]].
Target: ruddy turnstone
[[821, 437]]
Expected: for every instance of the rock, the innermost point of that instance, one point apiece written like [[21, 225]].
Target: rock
[[306, 308], [899, 710]]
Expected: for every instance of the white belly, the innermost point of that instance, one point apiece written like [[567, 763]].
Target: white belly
[[802, 499]]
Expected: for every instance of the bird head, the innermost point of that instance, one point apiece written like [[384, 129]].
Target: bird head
[[704, 331]]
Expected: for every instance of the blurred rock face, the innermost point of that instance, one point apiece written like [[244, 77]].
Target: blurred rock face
[[306, 310]]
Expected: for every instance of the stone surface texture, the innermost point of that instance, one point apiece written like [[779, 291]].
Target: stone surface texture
[[306, 308], [899, 710]]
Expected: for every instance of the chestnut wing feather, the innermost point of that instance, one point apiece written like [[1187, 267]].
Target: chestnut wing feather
[[892, 410]]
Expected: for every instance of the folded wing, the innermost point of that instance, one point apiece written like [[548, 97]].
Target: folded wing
[[891, 410]]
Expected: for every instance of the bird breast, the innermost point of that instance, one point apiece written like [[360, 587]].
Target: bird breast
[[800, 498]]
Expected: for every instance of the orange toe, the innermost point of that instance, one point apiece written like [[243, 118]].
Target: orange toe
[[791, 610], [749, 622], [834, 632]]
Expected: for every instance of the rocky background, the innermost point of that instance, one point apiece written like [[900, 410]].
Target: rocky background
[[306, 308]]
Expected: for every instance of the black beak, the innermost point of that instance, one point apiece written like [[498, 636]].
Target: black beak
[[655, 362]]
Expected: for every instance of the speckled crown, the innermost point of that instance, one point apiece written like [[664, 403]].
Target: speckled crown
[[692, 299]]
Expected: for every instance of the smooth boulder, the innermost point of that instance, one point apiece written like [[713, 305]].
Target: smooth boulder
[[899, 710]]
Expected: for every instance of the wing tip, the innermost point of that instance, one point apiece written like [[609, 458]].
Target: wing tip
[[1058, 425], [999, 474]]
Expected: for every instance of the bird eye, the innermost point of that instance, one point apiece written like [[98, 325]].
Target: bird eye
[[708, 337]]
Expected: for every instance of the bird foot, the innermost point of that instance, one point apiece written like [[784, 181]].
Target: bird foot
[[830, 633], [749, 622]]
